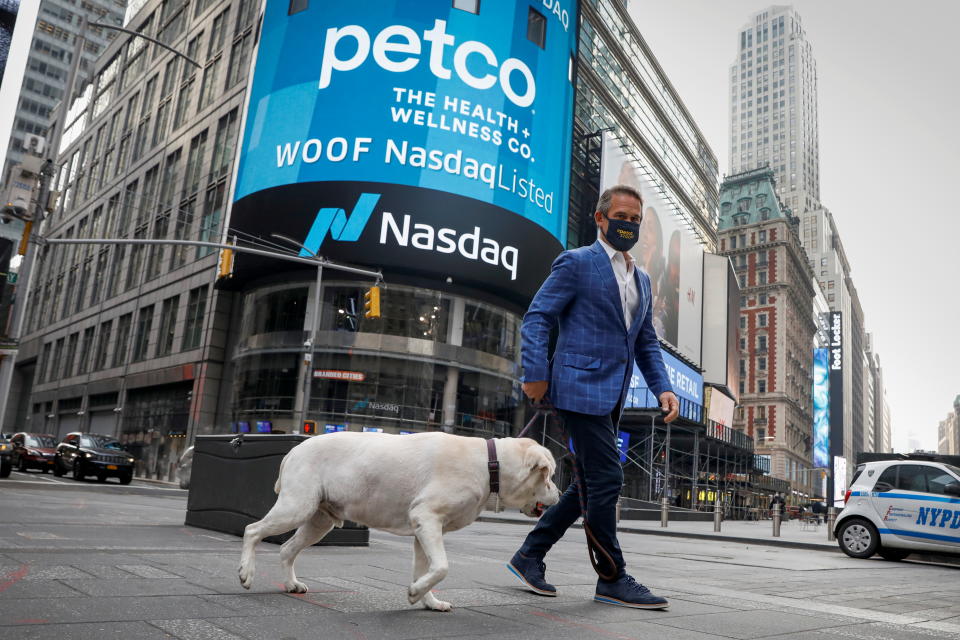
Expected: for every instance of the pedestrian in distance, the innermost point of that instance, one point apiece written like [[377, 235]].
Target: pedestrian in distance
[[602, 305]]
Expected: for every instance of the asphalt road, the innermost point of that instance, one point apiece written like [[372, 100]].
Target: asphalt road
[[89, 560]]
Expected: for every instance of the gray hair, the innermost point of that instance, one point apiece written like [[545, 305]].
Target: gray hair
[[603, 205]]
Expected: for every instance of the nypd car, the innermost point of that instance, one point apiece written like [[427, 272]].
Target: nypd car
[[898, 507]]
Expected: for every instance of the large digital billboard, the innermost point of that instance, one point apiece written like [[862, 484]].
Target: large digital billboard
[[821, 408], [685, 381], [424, 138], [669, 253]]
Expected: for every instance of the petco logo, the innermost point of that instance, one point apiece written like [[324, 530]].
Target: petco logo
[[470, 245]]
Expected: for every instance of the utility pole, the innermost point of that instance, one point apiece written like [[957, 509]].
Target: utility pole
[[22, 294]]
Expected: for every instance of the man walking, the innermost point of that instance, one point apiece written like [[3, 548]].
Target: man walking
[[602, 304]]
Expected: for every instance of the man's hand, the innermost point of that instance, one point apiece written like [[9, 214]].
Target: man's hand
[[669, 405], [536, 390]]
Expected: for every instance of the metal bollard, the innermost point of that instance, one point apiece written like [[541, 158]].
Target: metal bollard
[[831, 522], [776, 520], [664, 511], [716, 515], [618, 510]]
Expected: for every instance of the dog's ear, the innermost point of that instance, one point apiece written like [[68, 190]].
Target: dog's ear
[[539, 460]]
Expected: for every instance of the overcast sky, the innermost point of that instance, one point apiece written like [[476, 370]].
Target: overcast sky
[[889, 101]]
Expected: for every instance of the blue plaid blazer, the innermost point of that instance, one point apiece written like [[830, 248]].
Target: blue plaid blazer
[[592, 364]]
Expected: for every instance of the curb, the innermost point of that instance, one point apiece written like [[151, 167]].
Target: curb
[[770, 542]]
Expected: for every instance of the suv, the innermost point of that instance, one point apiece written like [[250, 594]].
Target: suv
[[897, 507], [91, 454], [33, 451], [6, 449]]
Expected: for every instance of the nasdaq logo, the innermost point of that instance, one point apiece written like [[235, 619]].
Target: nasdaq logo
[[341, 227]]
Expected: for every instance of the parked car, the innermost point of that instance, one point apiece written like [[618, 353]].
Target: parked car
[[896, 507], [185, 468], [33, 451], [91, 454], [6, 455]]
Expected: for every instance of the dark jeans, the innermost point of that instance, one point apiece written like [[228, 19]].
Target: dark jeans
[[598, 465]]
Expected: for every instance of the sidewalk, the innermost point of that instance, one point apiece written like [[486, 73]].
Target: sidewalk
[[792, 533], [86, 561]]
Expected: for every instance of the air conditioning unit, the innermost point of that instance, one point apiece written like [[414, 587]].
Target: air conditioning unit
[[35, 144]]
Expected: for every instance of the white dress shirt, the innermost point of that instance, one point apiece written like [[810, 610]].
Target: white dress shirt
[[623, 267]]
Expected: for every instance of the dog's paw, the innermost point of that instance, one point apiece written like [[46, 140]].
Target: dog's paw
[[430, 602], [414, 595], [295, 586], [246, 576]]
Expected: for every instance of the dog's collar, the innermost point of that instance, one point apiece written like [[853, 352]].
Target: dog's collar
[[493, 466]]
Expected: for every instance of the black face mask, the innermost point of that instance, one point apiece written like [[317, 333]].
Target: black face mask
[[622, 235]]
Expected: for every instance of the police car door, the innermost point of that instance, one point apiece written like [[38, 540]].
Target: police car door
[[914, 507], [939, 519]]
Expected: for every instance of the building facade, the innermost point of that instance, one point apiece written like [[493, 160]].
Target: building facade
[[777, 330], [773, 105], [948, 431], [58, 35]]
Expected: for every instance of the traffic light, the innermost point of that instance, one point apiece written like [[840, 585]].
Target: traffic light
[[25, 238], [309, 427], [225, 267], [371, 303]]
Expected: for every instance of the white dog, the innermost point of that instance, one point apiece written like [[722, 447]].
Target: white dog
[[420, 485]]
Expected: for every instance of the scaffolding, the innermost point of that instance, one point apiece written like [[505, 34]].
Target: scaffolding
[[689, 463]]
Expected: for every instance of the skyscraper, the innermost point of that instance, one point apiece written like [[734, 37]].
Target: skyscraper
[[48, 66], [773, 105]]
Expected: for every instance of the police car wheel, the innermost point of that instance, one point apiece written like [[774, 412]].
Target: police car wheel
[[893, 555], [858, 538]]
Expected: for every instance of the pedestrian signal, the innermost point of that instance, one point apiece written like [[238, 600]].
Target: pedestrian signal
[[371, 303], [310, 427]]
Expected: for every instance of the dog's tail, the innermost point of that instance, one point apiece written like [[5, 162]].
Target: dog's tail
[[276, 485]]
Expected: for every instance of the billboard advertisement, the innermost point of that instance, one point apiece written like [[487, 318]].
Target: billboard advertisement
[[821, 408], [424, 138], [686, 383], [719, 407], [721, 313], [667, 251]]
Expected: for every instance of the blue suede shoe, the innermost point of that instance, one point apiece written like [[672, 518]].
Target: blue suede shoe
[[627, 592], [531, 573]]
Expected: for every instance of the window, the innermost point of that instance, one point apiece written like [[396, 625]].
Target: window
[[762, 298], [762, 363], [762, 319], [762, 434], [762, 236], [195, 157], [223, 145], [141, 343], [168, 325], [123, 339], [761, 343], [536, 28], [761, 386], [743, 367], [196, 309], [71, 354], [103, 344], [761, 277], [83, 364], [743, 322]]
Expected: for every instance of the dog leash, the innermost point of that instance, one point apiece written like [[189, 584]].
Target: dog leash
[[595, 550]]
